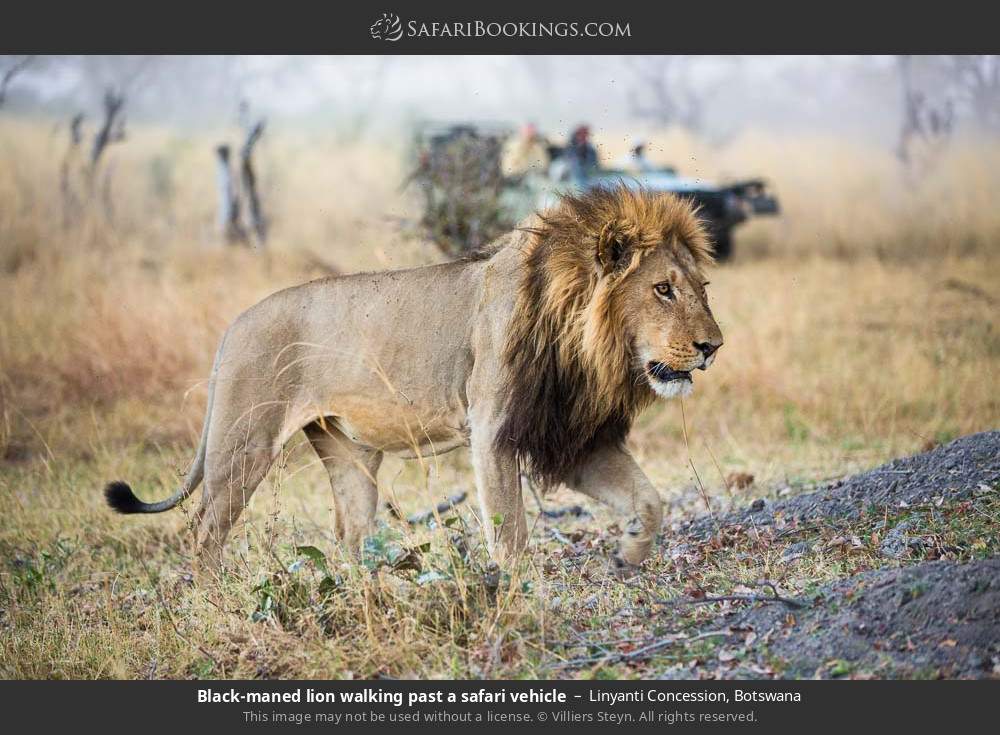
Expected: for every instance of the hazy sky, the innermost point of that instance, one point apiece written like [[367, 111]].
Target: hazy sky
[[853, 95]]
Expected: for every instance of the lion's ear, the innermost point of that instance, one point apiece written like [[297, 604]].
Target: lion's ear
[[614, 246]]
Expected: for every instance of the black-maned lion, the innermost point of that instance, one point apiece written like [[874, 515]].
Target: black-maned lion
[[539, 354]]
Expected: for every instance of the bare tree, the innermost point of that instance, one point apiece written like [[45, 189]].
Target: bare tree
[[248, 184], [367, 85], [16, 66], [112, 128], [70, 163], [540, 72], [924, 121], [229, 200], [975, 80], [83, 179], [664, 92], [127, 75], [235, 200]]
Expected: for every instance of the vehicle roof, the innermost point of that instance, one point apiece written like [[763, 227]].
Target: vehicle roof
[[664, 180]]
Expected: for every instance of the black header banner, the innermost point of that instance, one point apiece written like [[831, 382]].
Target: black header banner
[[449, 27]]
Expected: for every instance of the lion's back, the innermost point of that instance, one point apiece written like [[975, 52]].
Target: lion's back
[[413, 325]]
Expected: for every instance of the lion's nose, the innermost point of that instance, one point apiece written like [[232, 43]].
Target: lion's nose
[[706, 348]]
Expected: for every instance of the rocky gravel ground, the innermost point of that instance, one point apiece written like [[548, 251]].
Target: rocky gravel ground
[[935, 619], [953, 471], [909, 617]]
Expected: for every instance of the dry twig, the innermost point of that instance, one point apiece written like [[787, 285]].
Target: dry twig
[[708, 599]]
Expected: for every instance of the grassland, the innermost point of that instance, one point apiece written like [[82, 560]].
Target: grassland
[[860, 325]]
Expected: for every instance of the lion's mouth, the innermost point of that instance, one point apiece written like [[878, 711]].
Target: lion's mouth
[[664, 374]]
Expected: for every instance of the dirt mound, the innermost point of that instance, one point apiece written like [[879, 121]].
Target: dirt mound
[[953, 471], [928, 620]]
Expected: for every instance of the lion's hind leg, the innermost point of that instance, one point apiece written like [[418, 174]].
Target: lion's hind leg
[[238, 457], [352, 469]]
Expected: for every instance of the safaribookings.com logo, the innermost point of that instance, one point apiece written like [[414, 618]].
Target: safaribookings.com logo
[[390, 28], [387, 28]]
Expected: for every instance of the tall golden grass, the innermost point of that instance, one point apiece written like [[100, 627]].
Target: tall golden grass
[[860, 324], [850, 198], [873, 318]]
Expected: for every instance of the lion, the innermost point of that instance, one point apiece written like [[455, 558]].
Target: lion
[[536, 354]]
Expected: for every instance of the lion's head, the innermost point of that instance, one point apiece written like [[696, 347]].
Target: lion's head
[[611, 311]]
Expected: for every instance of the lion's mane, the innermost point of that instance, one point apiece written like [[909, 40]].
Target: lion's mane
[[571, 383]]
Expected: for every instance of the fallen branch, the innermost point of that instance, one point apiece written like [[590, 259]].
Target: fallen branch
[[709, 599], [558, 536], [577, 511], [638, 654], [443, 507]]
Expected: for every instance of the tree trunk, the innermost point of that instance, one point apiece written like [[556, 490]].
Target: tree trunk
[[229, 203], [248, 181]]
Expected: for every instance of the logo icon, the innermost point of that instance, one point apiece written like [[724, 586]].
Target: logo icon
[[387, 28]]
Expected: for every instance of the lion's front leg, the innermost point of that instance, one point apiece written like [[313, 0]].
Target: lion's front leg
[[612, 476], [499, 489]]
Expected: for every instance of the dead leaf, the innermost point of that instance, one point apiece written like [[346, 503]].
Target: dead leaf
[[739, 480]]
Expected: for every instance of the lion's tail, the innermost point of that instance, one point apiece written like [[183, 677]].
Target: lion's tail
[[121, 497]]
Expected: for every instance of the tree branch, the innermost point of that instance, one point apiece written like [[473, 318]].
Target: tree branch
[[19, 65]]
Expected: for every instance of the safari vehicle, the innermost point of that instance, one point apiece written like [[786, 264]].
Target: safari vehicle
[[722, 208], [467, 201], [457, 169]]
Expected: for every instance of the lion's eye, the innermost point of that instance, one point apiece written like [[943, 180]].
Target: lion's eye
[[664, 290]]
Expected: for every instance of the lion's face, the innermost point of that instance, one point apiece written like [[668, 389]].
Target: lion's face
[[671, 325]]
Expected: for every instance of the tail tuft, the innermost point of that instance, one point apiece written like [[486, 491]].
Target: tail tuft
[[120, 497]]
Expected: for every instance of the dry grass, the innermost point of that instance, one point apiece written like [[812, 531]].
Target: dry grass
[[860, 325], [849, 199]]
